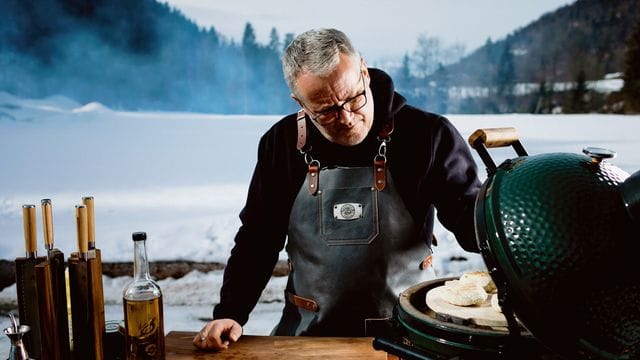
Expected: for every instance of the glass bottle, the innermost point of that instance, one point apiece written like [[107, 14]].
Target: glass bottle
[[142, 301]]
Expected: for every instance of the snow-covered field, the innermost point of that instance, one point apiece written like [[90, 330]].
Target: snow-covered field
[[182, 178]]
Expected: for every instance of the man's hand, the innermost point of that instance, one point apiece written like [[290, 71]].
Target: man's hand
[[218, 334]]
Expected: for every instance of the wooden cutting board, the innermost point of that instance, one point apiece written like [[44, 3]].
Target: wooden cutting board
[[179, 347], [483, 314]]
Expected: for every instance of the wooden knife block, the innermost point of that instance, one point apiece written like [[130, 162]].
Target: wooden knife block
[[28, 307], [52, 305], [87, 306]]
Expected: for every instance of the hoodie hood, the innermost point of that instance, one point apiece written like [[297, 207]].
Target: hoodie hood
[[387, 103]]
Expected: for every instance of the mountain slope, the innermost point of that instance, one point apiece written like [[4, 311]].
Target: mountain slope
[[133, 54], [587, 35]]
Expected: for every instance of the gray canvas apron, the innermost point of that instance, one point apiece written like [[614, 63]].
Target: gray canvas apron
[[346, 245]]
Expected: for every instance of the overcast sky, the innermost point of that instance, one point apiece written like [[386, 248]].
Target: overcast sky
[[379, 28]]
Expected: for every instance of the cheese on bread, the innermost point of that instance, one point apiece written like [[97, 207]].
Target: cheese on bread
[[481, 278], [464, 294]]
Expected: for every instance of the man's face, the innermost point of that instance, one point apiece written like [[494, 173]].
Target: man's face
[[333, 102]]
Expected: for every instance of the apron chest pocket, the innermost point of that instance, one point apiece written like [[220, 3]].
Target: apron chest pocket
[[348, 216]]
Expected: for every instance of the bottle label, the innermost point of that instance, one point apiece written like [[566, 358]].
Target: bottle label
[[144, 329]]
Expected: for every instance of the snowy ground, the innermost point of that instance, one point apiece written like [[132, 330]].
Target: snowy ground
[[182, 178]]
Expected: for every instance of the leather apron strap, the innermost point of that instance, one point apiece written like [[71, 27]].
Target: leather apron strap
[[379, 161], [302, 132]]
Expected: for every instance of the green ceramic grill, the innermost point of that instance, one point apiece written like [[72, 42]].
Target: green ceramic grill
[[560, 235]]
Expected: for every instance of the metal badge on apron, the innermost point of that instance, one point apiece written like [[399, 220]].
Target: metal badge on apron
[[348, 211]]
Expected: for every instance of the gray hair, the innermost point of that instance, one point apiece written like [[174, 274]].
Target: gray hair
[[316, 51]]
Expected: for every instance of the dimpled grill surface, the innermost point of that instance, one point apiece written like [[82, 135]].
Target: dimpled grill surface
[[566, 248]]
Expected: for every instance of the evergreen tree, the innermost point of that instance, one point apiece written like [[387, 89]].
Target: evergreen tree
[[274, 41], [404, 74], [250, 52], [535, 106], [506, 73], [249, 38], [405, 82], [542, 102], [214, 39], [442, 90], [484, 69], [506, 78], [631, 89], [288, 38], [579, 103]]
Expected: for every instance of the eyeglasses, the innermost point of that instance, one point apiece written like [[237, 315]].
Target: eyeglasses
[[328, 116]]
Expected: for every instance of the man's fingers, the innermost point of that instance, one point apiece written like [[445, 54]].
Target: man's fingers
[[200, 340], [235, 332], [218, 334]]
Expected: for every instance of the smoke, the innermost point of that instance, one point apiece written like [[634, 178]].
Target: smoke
[[134, 55]]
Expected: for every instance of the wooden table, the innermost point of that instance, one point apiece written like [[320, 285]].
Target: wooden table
[[179, 347]]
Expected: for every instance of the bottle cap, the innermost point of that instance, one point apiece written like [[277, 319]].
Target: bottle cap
[[139, 236]]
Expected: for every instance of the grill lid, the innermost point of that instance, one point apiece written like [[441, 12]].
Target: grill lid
[[559, 234]]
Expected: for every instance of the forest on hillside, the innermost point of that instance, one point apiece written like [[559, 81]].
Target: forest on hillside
[[549, 65], [136, 54], [143, 54]]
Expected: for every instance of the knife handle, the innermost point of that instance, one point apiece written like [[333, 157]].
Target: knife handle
[[81, 227], [91, 229], [47, 223], [30, 231]]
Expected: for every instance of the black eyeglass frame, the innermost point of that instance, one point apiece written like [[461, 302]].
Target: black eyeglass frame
[[337, 108]]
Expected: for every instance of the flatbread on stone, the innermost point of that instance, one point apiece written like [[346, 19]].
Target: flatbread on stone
[[464, 294], [482, 278]]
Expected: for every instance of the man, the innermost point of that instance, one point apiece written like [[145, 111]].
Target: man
[[351, 182]]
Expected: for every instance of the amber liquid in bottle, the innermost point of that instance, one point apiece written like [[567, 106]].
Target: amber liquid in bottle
[[145, 333], [142, 302]]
